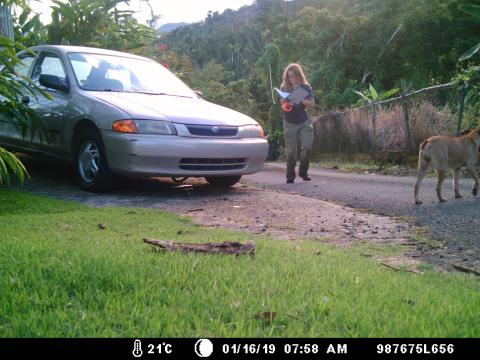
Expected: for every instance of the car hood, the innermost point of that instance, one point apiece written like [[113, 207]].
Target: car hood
[[174, 108]]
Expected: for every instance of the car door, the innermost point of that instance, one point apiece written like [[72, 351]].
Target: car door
[[10, 133], [51, 111]]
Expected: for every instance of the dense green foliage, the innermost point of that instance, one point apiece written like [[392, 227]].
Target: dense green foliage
[[10, 93], [343, 45], [13, 87], [96, 23]]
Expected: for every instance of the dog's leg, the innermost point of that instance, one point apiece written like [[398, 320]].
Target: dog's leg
[[441, 177], [455, 183], [473, 174], [422, 171]]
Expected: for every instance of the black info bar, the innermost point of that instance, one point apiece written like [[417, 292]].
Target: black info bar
[[237, 348]]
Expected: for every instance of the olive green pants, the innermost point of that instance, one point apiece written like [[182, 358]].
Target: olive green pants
[[295, 133]]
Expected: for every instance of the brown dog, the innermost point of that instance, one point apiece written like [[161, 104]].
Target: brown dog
[[445, 152]]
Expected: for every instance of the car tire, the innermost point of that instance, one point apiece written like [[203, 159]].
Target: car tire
[[222, 181], [91, 167]]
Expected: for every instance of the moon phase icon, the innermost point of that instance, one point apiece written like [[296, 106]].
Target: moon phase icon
[[203, 348]]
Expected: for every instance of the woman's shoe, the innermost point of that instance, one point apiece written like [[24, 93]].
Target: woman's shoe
[[306, 178], [289, 181]]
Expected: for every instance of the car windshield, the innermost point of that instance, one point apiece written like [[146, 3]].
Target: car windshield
[[97, 72]]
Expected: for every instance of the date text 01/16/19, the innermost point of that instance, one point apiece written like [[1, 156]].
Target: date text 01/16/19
[[415, 349], [248, 349]]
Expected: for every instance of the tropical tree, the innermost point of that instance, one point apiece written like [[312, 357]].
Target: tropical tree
[[467, 79], [28, 30], [473, 10], [268, 66], [97, 23]]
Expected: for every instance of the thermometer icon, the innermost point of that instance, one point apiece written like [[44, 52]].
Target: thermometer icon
[[137, 348]]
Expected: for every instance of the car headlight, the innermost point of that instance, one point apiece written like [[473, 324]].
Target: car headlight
[[157, 127], [251, 131]]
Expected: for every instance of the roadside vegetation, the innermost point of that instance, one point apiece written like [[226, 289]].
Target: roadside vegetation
[[61, 275], [362, 163]]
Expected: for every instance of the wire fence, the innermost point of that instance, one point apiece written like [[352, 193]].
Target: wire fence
[[395, 126]]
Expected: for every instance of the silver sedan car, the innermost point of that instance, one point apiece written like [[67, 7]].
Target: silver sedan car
[[117, 113]]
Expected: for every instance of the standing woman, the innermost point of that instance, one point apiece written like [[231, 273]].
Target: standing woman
[[296, 123]]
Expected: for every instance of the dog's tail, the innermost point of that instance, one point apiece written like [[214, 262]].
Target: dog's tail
[[424, 159], [424, 156]]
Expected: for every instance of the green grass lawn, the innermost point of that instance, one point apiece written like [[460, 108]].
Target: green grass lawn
[[63, 276]]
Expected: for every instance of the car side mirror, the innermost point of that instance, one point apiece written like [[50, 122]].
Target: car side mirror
[[54, 82], [199, 94]]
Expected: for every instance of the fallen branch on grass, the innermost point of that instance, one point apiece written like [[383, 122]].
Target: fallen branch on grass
[[397, 269], [227, 247], [465, 269]]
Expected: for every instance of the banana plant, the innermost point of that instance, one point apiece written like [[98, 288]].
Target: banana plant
[[96, 23], [371, 97]]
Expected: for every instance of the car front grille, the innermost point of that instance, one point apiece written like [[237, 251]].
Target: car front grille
[[208, 164], [204, 130]]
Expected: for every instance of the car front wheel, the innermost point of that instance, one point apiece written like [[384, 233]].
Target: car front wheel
[[91, 165], [223, 181]]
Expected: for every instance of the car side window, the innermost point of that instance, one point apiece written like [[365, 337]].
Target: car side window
[[23, 67], [48, 64]]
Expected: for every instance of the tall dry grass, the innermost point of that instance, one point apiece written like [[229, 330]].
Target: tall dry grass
[[351, 131]]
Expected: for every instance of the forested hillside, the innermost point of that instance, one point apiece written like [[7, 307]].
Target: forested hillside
[[344, 45]]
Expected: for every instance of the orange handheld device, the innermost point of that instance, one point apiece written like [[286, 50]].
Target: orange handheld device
[[286, 107]]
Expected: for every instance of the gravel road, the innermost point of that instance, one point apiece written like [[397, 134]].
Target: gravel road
[[455, 223]]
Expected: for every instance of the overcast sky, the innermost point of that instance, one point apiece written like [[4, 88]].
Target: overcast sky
[[171, 11]]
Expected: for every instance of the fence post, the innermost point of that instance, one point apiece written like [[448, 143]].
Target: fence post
[[374, 125], [408, 136], [374, 120], [460, 111]]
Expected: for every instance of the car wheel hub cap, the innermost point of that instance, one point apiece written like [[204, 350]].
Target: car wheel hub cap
[[89, 159]]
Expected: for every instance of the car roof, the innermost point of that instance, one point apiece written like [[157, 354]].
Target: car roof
[[65, 49]]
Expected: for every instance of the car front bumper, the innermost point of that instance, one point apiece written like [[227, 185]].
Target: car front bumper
[[164, 155]]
